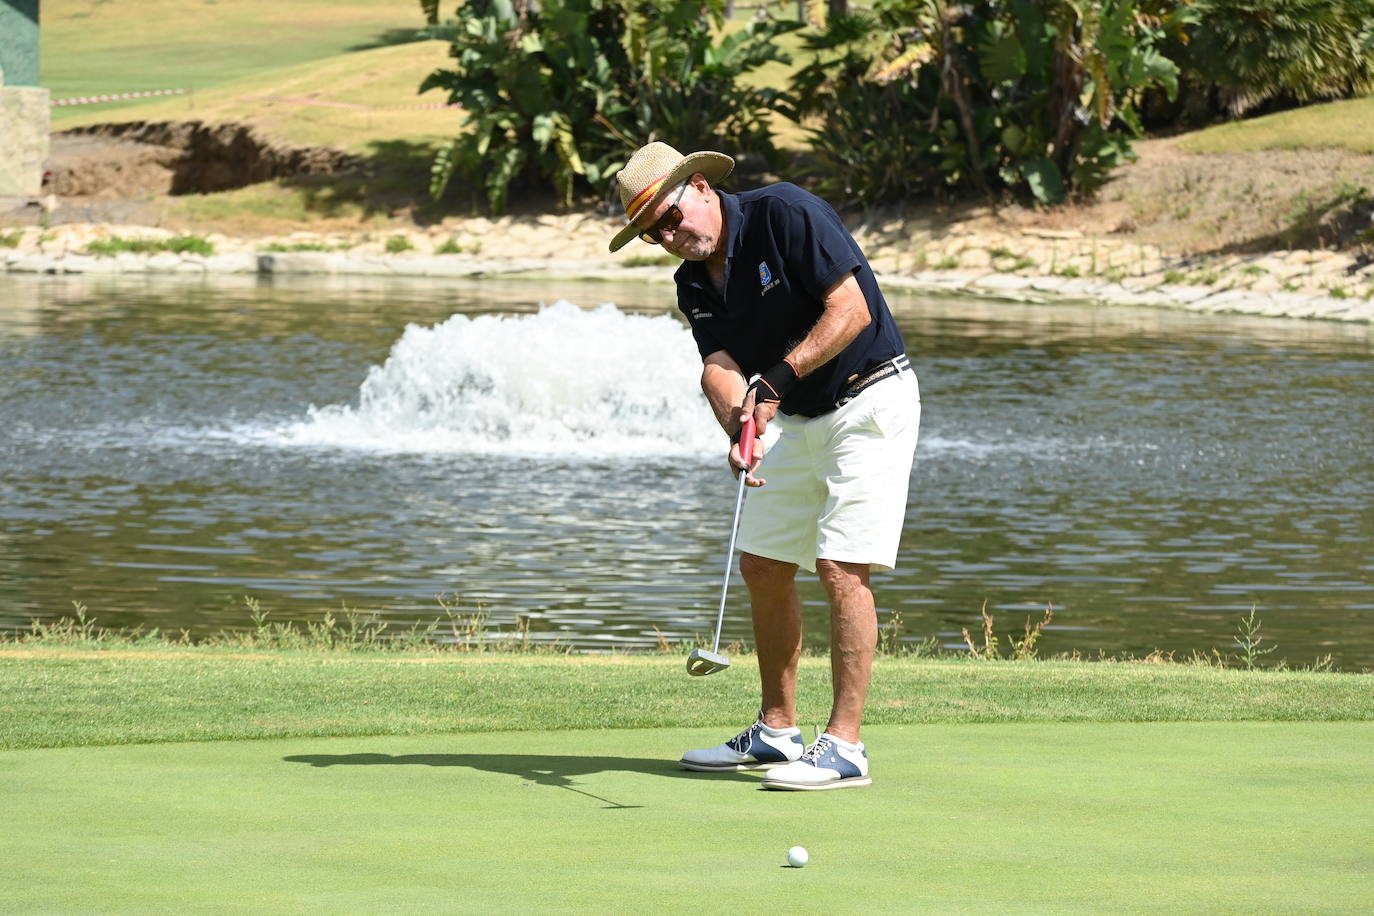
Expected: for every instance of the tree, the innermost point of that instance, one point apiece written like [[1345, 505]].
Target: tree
[[1016, 94], [1239, 54]]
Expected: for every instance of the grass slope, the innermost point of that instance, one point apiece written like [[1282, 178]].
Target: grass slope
[[1045, 818], [354, 101], [94, 47], [1345, 125], [65, 697]]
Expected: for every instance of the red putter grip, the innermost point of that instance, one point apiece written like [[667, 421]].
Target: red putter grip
[[746, 442]]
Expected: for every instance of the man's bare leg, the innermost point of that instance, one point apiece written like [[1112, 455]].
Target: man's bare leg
[[777, 634], [853, 640]]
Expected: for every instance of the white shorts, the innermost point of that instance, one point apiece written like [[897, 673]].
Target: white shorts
[[837, 483]]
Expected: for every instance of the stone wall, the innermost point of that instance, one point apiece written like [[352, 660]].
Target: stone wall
[[23, 140], [1009, 266]]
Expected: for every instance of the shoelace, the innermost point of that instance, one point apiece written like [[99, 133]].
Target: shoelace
[[814, 752], [744, 739]]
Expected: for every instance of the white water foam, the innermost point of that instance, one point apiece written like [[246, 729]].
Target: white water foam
[[565, 381], [1012, 444]]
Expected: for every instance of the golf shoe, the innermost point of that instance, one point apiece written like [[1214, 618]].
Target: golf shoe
[[758, 747], [829, 763]]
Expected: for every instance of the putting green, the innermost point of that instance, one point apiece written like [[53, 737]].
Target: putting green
[[1045, 817]]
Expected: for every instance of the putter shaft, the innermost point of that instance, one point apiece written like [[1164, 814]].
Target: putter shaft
[[729, 556]]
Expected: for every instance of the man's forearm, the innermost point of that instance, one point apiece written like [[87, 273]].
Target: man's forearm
[[845, 316], [724, 387]]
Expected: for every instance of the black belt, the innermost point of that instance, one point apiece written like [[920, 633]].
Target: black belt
[[858, 383]]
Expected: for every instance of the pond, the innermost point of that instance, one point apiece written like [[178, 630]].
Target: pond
[[172, 447]]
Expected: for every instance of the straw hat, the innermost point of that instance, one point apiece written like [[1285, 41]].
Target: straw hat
[[655, 170]]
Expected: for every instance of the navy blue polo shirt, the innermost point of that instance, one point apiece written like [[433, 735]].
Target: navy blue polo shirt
[[785, 247]]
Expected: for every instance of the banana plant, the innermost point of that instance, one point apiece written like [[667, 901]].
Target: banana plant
[[561, 91]]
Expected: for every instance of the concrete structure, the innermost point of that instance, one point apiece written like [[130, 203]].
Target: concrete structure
[[23, 105], [19, 42]]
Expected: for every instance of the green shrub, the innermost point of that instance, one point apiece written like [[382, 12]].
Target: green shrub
[[872, 105], [561, 92], [1236, 55], [11, 239], [285, 247], [181, 244], [1026, 95], [398, 243], [190, 244]]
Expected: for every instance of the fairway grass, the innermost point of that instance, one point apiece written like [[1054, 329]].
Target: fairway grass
[[1034, 818]]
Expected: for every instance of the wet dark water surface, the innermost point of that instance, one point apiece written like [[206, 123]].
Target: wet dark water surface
[[170, 447]]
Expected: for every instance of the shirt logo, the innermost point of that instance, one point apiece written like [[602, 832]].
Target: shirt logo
[[766, 279]]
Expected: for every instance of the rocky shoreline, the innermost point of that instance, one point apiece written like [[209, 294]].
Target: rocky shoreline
[[1009, 263]]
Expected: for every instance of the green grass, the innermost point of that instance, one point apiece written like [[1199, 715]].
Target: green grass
[[1044, 818], [56, 697], [288, 247], [392, 182], [1346, 124], [450, 245], [424, 781], [180, 244], [353, 101], [651, 260], [95, 46]]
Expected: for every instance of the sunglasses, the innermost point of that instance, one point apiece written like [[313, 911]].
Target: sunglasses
[[669, 221]]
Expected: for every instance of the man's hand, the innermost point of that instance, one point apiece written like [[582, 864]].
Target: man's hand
[[763, 411]]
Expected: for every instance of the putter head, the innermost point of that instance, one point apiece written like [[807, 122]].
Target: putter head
[[701, 662]]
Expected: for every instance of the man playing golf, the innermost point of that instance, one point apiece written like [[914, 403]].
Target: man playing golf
[[776, 290]]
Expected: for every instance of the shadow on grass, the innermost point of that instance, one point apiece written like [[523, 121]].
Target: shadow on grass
[[390, 38], [553, 770], [392, 179]]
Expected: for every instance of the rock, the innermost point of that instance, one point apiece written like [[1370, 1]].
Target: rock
[[1052, 233], [975, 258]]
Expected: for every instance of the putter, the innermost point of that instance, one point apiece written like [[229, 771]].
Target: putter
[[701, 662]]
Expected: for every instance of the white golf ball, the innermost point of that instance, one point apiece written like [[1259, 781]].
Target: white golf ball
[[797, 856]]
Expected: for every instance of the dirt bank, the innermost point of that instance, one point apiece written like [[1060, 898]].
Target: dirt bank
[[150, 159]]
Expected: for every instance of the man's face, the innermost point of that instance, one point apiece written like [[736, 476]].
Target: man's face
[[697, 234]]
